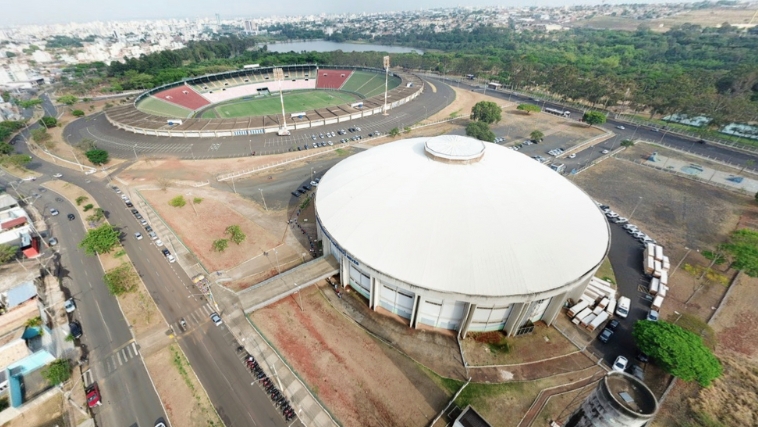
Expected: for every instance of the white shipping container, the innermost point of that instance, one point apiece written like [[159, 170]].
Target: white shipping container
[[664, 277], [581, 305], [655, 286], [659, 253], [602, 317], [666, 263], [588, 319], [575, 321], [663, 291], [584, 313], [603, 303], [657, 302], [611, 307], [597, 310], [649, 265], [649, 250]]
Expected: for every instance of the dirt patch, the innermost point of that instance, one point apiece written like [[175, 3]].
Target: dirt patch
[[494, 348], [735, 323], [462, 105], [360, 379], [46, 414]]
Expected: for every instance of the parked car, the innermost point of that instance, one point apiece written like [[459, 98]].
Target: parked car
[[652, 316], [620, 364], [572, 156], [58, 175], [129, 205], [53, 241], [138, 236], [71, 217], [69, 305], [152, 235], [605, 151], [642, 357], [148, 228], [135, 211], [605, 336], [295, 194], [93, 395], [637, 372], [76, 329], [620, 127], [613, 324], [54, 212], [159, 243]]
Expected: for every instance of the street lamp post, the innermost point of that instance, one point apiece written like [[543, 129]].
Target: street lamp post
[[635, 208], [300, 296], [135, 153], [264, 200]]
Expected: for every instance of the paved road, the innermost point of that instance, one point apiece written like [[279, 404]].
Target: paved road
[[123, 144], [128, 395], [211, 350]]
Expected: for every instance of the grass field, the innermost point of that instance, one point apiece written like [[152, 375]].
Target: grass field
[[162, 108], [293, 102], [369, 84]]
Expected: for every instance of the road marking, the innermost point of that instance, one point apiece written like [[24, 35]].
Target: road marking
[[107, 329], [134, 347], [434, 88]]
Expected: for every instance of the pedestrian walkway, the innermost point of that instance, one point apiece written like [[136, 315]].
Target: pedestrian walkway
[[547, 393]]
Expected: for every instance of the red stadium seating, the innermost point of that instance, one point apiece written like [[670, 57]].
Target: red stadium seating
[[183, 96], [332, 79]]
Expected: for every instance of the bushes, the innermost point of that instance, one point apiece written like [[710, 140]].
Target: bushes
[[177, 202], [97, 156]]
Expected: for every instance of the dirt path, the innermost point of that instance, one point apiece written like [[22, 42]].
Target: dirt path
[[532, 371]]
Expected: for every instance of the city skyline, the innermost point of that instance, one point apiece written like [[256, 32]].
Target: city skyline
[[48, 12]]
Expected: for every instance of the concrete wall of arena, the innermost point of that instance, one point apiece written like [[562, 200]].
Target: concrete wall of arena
[[251, 131]]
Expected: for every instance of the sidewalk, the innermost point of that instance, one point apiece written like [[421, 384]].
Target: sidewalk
[[547, 393]]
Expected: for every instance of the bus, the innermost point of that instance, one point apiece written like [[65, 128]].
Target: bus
[[562, 113], [470, 76], [250, 66]]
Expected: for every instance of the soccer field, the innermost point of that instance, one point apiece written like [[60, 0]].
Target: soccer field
[[294, 102]]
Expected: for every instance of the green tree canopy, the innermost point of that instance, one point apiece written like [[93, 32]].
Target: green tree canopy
[[48, 122], [220, 245], [480, 131], [78, 113], [678, 351], [18, 160], [394, 132], [29, 103], [100, 240], [529, 108], [742, 248], [40, 135], [627, 143], [235, 233], [487, 112], [593, 118], [121, 280], [68, 99], [5, 148], [97, 156], [57, 372], [7, 253], [536, 135], [178, 201]]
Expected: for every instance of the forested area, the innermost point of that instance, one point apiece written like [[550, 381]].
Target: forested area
[[690, 69]]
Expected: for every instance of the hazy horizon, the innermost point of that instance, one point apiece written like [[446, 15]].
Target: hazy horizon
[[54, 12]]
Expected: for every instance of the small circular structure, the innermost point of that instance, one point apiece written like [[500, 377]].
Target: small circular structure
[[454, 233], [619, 400]]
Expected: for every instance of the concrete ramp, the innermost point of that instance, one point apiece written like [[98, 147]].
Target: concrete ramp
[[287, 283]]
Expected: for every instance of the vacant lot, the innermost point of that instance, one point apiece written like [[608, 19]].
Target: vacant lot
[[706, 17], [199, 224], [732, 399], [361, 380]]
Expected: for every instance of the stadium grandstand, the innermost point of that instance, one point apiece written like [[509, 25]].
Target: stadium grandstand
[[332, 79], [197, 100], [183, 96]]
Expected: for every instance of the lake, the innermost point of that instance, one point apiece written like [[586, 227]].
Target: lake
[[327, 46]]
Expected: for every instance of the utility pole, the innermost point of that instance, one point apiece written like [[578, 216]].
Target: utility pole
[[386, 79], [279, 75]]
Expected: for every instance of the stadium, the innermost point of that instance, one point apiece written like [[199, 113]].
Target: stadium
[[453, 233], [246, 101]]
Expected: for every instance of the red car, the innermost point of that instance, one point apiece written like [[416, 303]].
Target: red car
[[93, 395]]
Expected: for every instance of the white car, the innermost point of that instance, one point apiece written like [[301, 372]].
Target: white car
[[69, 305], [143, 221], [216, 319], [572, 156], [605, 151], [138, 236], [620, 127], [58, 175], [124, 197], [314, 184], [621, 220], [159, 242], [620, 364], [54, 212]]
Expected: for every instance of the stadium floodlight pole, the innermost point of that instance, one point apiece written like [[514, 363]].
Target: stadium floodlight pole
[[279, 75], [386, 79]]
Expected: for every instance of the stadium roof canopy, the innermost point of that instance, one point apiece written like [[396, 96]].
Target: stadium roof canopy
[[453, 214]]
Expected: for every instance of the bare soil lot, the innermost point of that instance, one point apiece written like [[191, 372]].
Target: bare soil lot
[[493, 348], [361, 380], [199, 224], [706, 17]]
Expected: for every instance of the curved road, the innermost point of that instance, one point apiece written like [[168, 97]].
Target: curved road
[[210, 349], [126, 145]]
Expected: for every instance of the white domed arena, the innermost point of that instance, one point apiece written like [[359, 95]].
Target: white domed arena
[[455, 233]]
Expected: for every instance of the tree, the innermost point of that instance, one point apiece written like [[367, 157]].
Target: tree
[[742, 249], [394, 132], [5, 148], [593, 118], [7, 253], [480, 131], [97, 156], [529, 108], [48, 122], [627, 143], [68, 99], [678, 351], [235, 233], [100, 240], [81, 199], [86, 144], [487, 112], [220, 245], [536, 135], [40, 135], [121, 280], [29, 103], [88, 207], [18, 160], [97, 215], [78, 113], [177, 202], [57, 372]]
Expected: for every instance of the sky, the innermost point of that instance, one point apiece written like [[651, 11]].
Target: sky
[[61, 12]]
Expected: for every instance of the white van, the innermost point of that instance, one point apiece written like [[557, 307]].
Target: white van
[[622, 308]]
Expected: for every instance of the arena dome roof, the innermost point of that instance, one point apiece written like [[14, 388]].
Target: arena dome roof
[[453, 214]]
